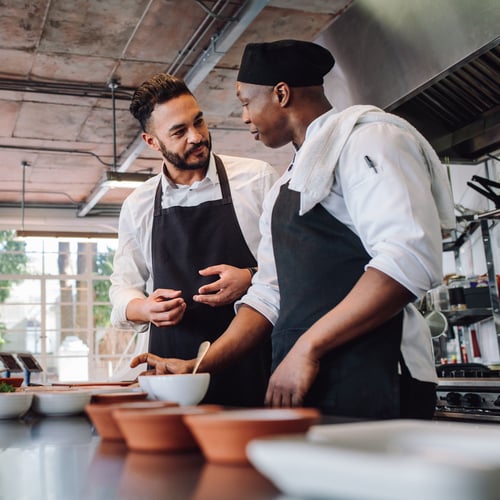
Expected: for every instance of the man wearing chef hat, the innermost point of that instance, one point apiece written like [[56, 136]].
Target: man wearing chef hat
[[188, 240], [351, 236]]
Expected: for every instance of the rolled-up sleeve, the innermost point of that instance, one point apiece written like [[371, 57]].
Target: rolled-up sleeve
[[263, 295], [130, 272], [390, 205]]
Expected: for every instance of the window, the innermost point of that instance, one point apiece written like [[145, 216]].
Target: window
[[54, 303]]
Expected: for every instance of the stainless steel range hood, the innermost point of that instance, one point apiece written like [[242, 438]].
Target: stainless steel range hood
[[435, 63]]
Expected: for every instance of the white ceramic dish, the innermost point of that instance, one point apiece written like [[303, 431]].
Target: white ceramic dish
[[58, 403], [184, 389], [145, 385], [14, 404], [388, 460]]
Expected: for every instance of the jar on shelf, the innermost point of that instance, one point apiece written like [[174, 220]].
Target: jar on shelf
[[456, 293], [437, 299]]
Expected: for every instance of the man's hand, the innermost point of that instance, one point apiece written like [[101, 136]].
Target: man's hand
[[374, 299], [164, 307], [163, 366], [232, 284], [292, 379]]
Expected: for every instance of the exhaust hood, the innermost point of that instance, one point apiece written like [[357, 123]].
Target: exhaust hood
[[436, 64]]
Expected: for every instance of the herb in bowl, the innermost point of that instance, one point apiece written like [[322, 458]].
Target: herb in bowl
[[4, 387]]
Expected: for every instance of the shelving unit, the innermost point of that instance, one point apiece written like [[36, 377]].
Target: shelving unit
[[469, 316]]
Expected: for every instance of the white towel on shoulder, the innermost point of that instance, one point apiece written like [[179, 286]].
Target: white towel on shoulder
[[314, 171]]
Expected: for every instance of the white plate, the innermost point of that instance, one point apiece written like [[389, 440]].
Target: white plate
[[69, 402], [387, 460]]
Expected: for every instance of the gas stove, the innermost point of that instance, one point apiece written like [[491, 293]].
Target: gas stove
[[468, 399]]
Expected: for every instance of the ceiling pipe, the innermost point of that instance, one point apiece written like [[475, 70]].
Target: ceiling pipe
[[219, 46]]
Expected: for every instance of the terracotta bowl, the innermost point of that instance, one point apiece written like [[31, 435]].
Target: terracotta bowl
[[118, 397], [223, 436], [159, 429], [13, 381], [102, 419], [186, 388]]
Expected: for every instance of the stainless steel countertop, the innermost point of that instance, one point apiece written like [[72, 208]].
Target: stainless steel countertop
[[62, 458]]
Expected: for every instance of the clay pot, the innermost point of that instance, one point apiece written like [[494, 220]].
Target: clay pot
[[223, 436], [101, 416], [118, 397], [159, 429], [13, 381]]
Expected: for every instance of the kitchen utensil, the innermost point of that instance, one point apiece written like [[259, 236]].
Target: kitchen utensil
[[202, 350], [437, 323]]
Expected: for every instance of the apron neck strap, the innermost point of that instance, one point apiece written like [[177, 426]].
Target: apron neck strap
[[224, 185]]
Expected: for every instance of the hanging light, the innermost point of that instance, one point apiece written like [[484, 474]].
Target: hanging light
[[114, 178], [125, 180]]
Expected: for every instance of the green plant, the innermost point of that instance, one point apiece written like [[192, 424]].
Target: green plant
[[4, 387], [13, 260]]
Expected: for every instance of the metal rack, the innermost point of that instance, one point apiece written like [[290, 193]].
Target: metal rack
[[486, 223]]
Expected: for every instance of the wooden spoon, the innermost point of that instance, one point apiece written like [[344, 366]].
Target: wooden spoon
[[202, 350]]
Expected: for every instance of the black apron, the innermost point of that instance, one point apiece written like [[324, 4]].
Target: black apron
[[318, 261], [184, 240]]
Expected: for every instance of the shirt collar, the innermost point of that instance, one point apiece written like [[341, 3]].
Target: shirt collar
[[211, 176]]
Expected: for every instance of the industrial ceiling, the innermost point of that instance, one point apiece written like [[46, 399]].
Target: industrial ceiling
[[69, 70], [67, 75]]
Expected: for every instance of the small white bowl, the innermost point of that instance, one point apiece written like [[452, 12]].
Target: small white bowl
[[183, 388], [14, 404], [145, 385], [61, 402]]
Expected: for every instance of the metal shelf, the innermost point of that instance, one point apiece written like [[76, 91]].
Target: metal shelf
[[467, 316]]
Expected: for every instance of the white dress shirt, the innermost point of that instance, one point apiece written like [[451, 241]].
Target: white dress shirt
[[249, 181], [390, 207]]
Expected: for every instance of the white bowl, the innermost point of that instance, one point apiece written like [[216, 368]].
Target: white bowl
[[145, 385], [60, 402], [14, 404], [184, 389]]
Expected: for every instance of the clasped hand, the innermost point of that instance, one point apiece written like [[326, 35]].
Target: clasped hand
[[232, 284]]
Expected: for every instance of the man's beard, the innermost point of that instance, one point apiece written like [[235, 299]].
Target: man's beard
[[179, 161]]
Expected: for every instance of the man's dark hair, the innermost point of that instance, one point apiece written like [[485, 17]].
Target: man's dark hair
[[158, 89]]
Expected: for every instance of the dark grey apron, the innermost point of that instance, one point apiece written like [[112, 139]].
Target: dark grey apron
[[318, 261], [184, 240]]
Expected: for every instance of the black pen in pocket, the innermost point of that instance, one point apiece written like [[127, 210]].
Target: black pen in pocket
[[371, 164]]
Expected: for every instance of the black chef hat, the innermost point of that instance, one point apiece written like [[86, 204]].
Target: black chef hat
[[298, 63]]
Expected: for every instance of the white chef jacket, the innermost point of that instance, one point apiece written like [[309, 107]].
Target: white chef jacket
[[390, 207], [249, 181]]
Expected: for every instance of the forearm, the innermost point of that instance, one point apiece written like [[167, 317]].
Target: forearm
[[136, 311], [373, 300], [248, 329]]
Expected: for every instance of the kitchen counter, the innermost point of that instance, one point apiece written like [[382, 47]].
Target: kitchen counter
[[62, 458]]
